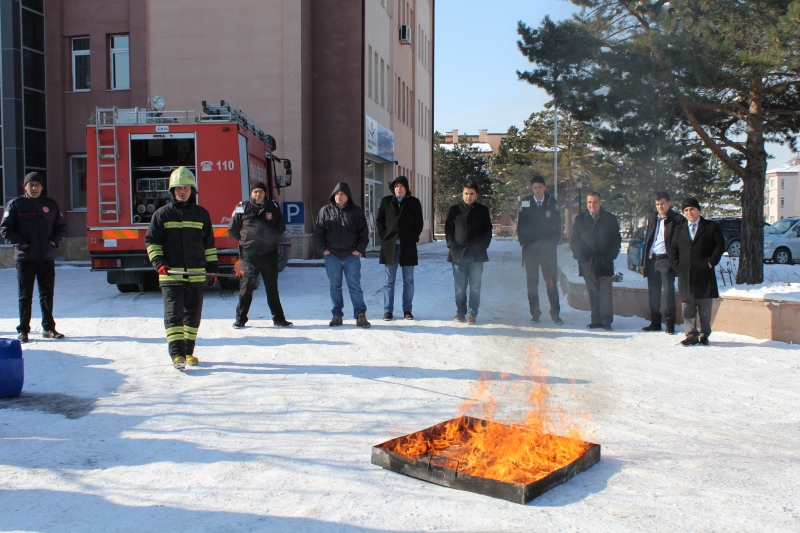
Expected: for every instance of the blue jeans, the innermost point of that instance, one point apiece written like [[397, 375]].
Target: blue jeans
[[350, 266], [468, 272], [408, 284]]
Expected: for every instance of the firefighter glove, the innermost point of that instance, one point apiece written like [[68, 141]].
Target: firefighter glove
[[163, 269]]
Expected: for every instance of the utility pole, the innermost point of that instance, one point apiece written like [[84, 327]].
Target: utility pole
[[555, 150]]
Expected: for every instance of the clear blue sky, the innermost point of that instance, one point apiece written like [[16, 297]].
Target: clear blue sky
[[477, 60]]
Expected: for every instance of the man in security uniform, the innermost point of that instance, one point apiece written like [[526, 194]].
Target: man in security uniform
[[258, 225], [34, 224], [180, 237], [539, 229]]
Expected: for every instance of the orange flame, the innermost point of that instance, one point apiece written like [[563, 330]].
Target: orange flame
[[544, 441], [237, 269]]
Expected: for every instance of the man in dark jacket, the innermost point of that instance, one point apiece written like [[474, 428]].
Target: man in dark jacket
[[399, 225], [181, 238], [468, 230], [538, 229], [341, 236], [654, 262], [258, 226], [595, 244], [696, 248], [33, 223]]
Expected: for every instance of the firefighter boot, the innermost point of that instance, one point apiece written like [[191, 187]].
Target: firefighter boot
[[179, 362], [191, 360]]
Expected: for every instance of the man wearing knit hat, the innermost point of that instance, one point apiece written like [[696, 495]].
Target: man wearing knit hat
[[33, 223], [696, 249], [258, 225], [399, 225]]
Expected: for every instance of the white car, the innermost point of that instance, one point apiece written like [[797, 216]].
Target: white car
[[782, 241]]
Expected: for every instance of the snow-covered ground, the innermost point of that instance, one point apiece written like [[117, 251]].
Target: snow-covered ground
[[781, 282], [273, 431]]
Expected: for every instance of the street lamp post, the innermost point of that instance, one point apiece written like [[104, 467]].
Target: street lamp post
[[578, 185]]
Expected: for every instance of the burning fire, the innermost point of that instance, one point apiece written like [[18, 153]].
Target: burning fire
[[519, 453], [237, 269]]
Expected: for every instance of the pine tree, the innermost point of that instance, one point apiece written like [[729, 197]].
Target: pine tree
[[698, 74]]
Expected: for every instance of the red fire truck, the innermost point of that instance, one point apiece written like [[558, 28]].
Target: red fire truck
[[132, 153]]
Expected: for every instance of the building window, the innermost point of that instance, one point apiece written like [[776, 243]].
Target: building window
[[120, 63], [772, 184], [369, 71], [771, 219], [77, 180], [80, 64], [783, 202], [772, 201], [783, 183]]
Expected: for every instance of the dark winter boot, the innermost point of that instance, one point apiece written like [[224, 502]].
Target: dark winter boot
[[335, 321], [652, 327], [281, 323], [361, 321]]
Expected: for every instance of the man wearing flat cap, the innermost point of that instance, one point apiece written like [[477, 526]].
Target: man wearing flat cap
[[399, 225], [258, 225], [33, 223], [696, 248]]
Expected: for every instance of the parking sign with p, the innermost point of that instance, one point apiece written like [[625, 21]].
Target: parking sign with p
[[295, 215]]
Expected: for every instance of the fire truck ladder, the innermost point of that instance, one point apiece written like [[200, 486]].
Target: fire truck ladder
[[107, 157]]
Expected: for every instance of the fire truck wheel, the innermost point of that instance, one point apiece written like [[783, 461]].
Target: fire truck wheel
[[283, 254], [128, 287]]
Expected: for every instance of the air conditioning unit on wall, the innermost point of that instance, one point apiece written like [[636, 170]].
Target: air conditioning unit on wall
[[405, 34]]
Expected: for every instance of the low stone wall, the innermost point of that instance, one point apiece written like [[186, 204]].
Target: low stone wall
[[777, 320], [70, 249]]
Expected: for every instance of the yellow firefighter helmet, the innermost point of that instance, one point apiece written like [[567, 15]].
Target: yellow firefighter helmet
[[182, 177]]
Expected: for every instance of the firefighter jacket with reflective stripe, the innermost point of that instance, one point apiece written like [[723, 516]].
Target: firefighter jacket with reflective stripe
[[181, 236]]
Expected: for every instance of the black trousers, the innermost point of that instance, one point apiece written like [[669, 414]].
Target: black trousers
[[601, 295], [694, 309], [660, 275], [267, 267], [183, 308], [44, 273], [541, 254]]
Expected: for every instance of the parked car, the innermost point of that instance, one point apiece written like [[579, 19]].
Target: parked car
[[782, 241], [732, 231], [635, 247]]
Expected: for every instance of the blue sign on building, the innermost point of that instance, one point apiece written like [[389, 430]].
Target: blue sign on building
[[294, 212]]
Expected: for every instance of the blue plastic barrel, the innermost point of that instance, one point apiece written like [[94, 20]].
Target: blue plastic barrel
[[12, 370]]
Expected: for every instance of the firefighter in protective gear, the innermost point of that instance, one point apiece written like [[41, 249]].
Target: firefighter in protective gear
[[180, 237]]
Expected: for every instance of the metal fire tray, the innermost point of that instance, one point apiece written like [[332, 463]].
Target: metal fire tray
[[444, 471]]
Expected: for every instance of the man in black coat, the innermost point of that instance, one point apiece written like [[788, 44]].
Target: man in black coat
[[696, 249], [399, 225], [595, 244], [654, 262], [341, 236], [258, 225], [539, 229], [33, 223], [468, 230]]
